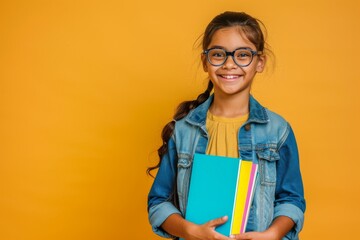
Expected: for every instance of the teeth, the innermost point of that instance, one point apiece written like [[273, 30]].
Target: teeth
[[229, 76]]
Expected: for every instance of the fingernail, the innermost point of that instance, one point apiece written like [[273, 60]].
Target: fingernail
[[232, 236]]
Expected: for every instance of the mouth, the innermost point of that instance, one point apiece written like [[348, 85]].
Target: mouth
[[229, 76]]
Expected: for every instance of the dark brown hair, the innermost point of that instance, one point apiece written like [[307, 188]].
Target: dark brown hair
[[251, 28]]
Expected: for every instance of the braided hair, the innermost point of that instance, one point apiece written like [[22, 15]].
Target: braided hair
[[182, 111]]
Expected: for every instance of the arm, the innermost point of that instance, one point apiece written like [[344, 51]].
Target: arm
[[160, 206], [289, 191], [279, 228]]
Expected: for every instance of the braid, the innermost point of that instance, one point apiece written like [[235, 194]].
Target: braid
[[182, 111]]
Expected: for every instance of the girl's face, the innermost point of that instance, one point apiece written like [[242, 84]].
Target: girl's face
[[230, 79]]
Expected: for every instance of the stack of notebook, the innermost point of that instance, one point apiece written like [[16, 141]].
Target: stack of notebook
[[221, 186]]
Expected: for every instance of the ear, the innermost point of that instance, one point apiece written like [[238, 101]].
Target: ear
[[261, 63], [204, 62]]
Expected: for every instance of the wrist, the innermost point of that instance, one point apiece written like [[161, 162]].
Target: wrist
[[189, 229], [280, 227], [272, 234]]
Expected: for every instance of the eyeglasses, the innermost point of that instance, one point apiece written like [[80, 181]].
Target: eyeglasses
[[241, 56]]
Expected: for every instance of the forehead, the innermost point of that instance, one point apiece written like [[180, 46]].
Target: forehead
[[230, 38]]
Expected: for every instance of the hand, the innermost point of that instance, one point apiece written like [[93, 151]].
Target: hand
[[266, 235], [278, 229], [207, 230]]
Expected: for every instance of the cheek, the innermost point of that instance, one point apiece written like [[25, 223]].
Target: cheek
[[212, 69]]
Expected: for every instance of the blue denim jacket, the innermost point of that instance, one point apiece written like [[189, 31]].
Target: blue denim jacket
[[265, 138]]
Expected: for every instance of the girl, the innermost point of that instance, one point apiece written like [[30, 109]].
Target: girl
[[231, 123]]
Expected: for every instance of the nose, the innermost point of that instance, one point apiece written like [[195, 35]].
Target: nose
[[229, 63]]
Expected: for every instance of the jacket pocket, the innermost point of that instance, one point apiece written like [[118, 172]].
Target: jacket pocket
[[268, 158]]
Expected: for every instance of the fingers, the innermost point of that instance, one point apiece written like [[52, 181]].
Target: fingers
[[218, 221]]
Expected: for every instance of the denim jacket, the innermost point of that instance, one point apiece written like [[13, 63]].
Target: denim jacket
[[265, 138]]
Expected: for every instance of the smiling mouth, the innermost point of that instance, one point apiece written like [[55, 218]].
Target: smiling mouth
[[229, 76]]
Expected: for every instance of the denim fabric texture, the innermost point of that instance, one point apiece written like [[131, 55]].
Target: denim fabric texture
[[265, 138]]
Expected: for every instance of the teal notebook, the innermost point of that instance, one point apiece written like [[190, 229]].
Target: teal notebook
[[212, 190]]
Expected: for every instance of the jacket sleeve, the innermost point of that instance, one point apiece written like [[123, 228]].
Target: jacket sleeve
[[160, 206], [289, 192]]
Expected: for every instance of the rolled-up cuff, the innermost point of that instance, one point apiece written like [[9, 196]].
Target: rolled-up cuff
[[158, 214], [293, 212]]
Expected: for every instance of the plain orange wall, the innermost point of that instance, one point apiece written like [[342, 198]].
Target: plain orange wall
[[86, 86]]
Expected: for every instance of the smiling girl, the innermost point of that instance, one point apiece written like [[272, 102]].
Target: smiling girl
[[231, 123]]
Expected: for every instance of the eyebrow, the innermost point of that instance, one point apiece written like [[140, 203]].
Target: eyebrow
[[218, 46]]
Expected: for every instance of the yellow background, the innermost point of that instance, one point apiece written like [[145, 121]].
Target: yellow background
[[86, 87]]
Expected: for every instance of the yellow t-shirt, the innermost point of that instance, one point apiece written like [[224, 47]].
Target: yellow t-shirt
[[223, 134]]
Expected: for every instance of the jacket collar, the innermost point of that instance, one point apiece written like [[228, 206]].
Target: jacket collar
[[257, 112]]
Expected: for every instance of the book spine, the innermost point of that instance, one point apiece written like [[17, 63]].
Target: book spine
[[234, 215]]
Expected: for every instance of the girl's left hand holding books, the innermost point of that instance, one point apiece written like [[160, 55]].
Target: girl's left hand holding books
[[278, 229]]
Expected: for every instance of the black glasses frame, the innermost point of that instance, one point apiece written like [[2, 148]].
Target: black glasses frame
[[253, 53]]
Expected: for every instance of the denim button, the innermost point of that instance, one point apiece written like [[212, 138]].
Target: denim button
[[247, 127]]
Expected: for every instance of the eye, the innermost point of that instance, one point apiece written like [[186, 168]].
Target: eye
[[243, 54], [217, 53]]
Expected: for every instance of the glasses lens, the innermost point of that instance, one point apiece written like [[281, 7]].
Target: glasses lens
[[243, 57], [216, 56]]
